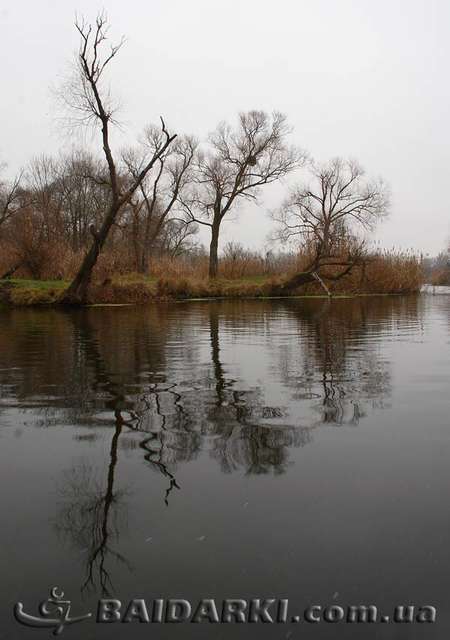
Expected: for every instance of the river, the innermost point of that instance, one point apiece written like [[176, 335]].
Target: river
[[292, 449]]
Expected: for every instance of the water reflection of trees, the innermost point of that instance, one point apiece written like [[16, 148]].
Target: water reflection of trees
[[159, 381], [156, 373], [91, 517], [335, 359]]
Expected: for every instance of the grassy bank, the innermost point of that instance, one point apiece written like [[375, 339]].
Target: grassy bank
[[137, 289], [134, 289], [244, 275]]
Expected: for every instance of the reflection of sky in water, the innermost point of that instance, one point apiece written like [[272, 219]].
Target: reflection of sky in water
[[295, 448]]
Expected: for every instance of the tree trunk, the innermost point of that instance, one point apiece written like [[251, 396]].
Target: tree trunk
[[76, 293], [297, 280], [306, 277], [145, 260], [213, 249]]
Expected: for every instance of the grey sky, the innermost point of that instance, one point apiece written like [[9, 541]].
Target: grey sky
[[356, 77]]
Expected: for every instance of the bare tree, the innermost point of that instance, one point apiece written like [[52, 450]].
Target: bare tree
[[83, 188], [11, 200], [59, 198], [155, 202], [91, 102], [179, 239], [45, 198], [237, 163], [326, 216]]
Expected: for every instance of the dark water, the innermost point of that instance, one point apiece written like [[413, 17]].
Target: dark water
[[293, 449]]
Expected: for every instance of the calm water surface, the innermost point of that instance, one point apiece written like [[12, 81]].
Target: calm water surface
[[295, 449]]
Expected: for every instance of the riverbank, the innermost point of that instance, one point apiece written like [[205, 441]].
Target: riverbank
[[136, 289]]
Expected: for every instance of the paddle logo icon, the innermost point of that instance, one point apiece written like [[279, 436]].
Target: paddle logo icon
[[54, 613]]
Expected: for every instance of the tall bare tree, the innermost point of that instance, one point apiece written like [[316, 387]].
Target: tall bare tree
[[90, 100], [327, 215], [155, 203], [236, 164]]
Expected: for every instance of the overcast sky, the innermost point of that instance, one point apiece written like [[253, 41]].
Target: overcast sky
[[362, 78]]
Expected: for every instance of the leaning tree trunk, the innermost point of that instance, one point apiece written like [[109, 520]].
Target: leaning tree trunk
[[298, 280], [214, 250], [76, 293], [312, 275]]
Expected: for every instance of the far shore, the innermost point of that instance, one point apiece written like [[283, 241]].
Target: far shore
[[134, 289]]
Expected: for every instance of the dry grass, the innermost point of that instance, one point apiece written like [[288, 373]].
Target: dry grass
[[386, 273], [32, 296], [116, 291], [184, 288], [441, 277], [389, 272]]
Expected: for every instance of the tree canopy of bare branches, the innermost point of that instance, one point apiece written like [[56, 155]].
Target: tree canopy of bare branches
[[10, 198], [155, 205], [327, 216], [236, 164]]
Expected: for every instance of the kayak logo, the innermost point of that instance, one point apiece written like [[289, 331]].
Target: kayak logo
[[54, 613]]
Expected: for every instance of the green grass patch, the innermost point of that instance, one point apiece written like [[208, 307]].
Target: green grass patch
[[43, 285]]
